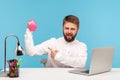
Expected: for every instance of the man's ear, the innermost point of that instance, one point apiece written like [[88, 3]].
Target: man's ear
[[78, 29]]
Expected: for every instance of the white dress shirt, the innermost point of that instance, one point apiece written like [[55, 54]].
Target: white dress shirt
[[70, 54]]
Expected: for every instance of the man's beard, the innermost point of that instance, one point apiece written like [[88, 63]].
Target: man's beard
[[69, 39]]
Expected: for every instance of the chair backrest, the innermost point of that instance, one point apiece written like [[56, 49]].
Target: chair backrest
[[43, 61]]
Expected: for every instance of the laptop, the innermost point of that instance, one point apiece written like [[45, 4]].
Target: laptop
[[101, 62]]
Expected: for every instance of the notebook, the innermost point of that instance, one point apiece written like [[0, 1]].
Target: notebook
[[101, 62]]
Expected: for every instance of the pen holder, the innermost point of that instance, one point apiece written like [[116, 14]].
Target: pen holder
[[13, 68]]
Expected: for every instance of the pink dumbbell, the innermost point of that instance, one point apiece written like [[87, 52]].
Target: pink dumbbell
[[32, 25]]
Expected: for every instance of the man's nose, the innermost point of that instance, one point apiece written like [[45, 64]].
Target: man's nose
[[69, 31]]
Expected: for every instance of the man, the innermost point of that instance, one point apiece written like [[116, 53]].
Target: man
[[62, 52]]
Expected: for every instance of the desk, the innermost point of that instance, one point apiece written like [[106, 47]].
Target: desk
[[61, 74]]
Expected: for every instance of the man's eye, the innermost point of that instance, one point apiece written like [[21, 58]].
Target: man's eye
[[67, 28], [73, 29]]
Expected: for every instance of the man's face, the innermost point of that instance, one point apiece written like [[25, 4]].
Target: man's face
[[70, 31]]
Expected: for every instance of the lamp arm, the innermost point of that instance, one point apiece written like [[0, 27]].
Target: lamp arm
[[5, 48], [13, 36]]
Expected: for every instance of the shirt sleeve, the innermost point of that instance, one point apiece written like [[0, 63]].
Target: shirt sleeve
[[76, 59], [39, 49]]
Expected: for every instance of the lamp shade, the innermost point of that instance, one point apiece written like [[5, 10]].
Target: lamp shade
[[19, 50]]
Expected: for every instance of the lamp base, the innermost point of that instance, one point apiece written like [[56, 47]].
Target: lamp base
[[4, 74]]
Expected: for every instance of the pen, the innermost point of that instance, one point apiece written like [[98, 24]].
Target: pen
[[18, 63]]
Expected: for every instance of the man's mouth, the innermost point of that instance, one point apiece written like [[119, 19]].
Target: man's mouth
[[69, 34]]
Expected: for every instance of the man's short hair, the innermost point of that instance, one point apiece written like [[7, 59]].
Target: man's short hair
[[72, 19]]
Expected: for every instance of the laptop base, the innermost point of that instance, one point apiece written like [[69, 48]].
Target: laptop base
[[82, 72]]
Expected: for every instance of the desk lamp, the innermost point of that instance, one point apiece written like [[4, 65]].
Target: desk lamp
[[18, 52]]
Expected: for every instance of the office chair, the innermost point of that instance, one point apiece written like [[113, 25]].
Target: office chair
[[43, 61]]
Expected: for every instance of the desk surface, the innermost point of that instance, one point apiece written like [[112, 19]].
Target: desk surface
[[61, 74]]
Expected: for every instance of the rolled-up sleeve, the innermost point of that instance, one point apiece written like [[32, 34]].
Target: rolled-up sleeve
[[39, 49]]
